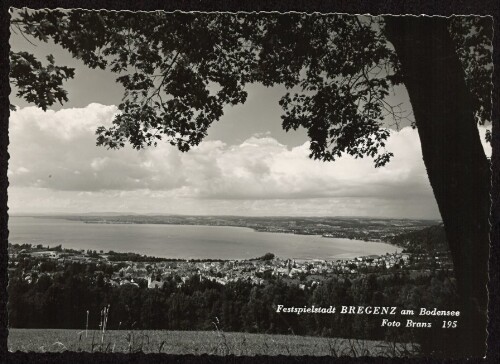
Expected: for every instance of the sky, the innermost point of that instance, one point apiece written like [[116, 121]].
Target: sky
[[246, 166]]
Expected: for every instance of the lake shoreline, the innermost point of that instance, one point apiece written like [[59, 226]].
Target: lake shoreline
[[188, 241], [236, 226]]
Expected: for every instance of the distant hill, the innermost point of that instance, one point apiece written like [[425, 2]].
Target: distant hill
[[432, 238]]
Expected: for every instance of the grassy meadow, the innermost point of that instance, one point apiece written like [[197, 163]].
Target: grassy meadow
[[196, 342]]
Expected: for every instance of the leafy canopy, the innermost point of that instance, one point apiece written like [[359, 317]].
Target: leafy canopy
[[36, 83], [179, 70]]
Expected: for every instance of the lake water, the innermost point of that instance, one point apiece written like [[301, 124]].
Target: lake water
[[186, 241]]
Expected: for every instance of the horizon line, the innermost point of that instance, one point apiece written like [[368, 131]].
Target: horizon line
[[121, 213]]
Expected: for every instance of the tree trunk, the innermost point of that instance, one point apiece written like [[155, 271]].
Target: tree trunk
[[457, 167]]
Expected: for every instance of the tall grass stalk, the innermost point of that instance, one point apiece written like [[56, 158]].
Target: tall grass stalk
[[225, 350], [87, 324], [104, 321]]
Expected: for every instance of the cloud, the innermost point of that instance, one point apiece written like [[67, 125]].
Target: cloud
[[55, 162], [56, 150], [262, 168]]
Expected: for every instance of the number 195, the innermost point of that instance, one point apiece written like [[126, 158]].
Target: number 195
[[449, 324]]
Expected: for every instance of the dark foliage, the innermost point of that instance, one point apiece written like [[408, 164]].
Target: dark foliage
[[179, 71], [427, 240], [36, 83], [62, 301]]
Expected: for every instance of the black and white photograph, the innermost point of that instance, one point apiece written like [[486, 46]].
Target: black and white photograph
[[249, 183]]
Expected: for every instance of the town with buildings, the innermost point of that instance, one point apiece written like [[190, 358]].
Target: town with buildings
[[117, 269]]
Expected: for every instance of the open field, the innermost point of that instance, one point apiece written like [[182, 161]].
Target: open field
[[196, 342]]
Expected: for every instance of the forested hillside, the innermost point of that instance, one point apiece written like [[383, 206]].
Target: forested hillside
[[430, 239]]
